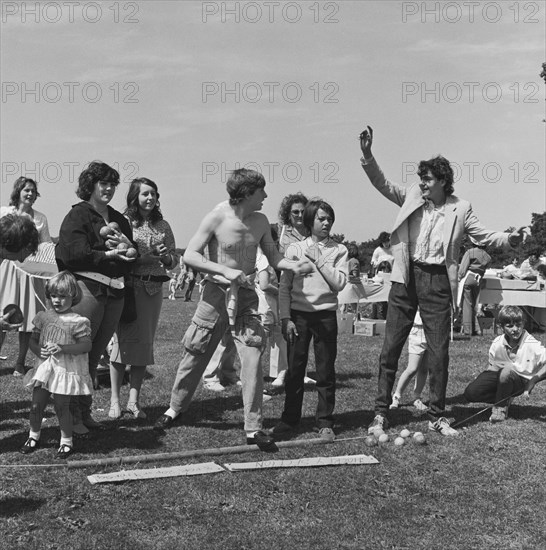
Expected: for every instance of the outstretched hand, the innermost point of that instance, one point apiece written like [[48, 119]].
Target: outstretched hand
[[121, 255], [302, 267], [366, 140], [518, 236]]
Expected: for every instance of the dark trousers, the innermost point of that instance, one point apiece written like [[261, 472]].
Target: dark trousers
[[191, 285], [103, 307], [321, 326], [495, 386], [428, 288]]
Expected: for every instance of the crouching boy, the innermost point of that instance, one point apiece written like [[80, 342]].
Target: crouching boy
[[517, 361]]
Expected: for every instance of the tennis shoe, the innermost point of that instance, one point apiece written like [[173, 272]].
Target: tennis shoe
[[442, 427]]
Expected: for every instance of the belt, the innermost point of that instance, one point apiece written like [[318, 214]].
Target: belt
[[431, 268], [112, 282], [153, 278]]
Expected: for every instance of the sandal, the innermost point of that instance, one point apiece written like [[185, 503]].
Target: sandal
[[30, 446], [134, 409], [115, 410], [64, 451]]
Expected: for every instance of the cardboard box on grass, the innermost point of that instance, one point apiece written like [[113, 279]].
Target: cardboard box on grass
[[370, 327], [345, 322], [364, 328]]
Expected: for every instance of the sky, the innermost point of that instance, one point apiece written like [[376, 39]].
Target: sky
[[181, 92]]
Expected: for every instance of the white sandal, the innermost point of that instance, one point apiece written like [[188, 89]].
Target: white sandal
[[115, 410]]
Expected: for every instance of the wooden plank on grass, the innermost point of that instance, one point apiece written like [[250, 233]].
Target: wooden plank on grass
[[303, 462], [154, 473]]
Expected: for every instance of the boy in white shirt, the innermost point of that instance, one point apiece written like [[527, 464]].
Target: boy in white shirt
[[517, 361]]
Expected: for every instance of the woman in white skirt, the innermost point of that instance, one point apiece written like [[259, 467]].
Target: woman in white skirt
[[16, 287]]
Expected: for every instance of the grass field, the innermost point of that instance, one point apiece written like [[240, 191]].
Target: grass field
[[484, 489]]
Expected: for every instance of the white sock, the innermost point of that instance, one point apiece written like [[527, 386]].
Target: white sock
[[171, 412], [34, 435], [66, 441]]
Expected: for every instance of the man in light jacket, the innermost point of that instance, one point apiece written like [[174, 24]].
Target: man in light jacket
[[425, 240]]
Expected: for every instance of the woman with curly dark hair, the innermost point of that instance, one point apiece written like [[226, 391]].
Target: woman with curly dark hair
[[134, 341], [99, 257], [292, 229]]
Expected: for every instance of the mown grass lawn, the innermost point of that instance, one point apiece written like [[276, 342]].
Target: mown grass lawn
[[484, 489]]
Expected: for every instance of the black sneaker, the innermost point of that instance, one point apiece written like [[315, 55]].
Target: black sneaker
[[264, 441]]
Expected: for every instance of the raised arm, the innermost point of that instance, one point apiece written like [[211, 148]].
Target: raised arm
[[392, 191]]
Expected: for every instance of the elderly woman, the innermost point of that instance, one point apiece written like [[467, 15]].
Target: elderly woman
[[99, 257], [134, 344], [15, 286]]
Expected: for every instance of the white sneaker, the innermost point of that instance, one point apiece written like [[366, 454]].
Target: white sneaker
[[395, 402], [419, 405], [442, 427], [327, 433], [378, 423], [215, 386], [309, 381], [279, 381], [498, 414]]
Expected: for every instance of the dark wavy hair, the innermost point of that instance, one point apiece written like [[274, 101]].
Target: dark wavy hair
[[94, 172], [441, 169], [311, 209], [18, 233], [18, 186], [132, 211], [535, 251], [286, 206], [242, 183], [383, 237]]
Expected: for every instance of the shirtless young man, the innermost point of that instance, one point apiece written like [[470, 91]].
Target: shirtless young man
[[232, 231]]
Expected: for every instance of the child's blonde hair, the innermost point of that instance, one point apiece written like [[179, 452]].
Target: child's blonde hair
[[64, 284]]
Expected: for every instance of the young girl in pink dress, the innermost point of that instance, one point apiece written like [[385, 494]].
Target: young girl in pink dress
[[63, 339]]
